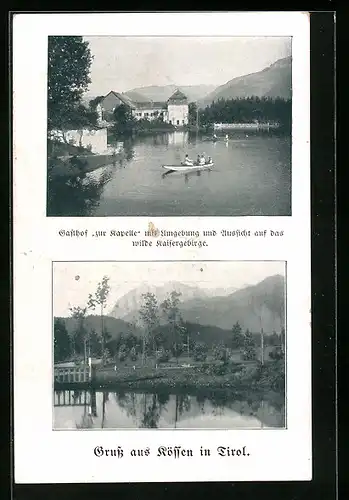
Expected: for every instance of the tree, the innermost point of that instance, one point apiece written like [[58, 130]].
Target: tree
[[69, 62], [122, 354], [220, 352], [80, 336], [248, 348], [100, 299], [95, 344], [149, 315], [123, 119], [133, 354], [283, 339], [93, 103], [193, 113], [237, 336], [170, 309], [200, 351], [62, 345]]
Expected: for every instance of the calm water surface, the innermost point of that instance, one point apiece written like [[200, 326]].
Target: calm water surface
[[83, 409], [251, 176]]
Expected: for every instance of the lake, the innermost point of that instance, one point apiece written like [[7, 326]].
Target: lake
[[130, 410], [251, 176]]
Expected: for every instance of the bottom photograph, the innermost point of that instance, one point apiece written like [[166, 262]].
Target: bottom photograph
[[169, 345]]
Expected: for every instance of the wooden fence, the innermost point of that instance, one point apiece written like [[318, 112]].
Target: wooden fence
[[71, 375]]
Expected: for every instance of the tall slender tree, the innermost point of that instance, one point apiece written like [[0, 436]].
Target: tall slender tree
[[99, 299], [149, 316], [172, 314]]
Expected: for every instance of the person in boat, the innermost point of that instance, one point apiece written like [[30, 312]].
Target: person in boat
[[202, 160], [198, 160], [214, 137], [226, 137], [187, 160], [209, 160]]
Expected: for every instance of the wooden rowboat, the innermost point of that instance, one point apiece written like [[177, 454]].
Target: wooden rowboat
[[187, 168]]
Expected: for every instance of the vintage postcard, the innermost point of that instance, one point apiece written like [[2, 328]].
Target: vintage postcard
[[162, 323]]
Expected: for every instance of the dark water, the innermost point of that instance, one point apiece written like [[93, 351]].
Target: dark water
[[84, 410], [251, 176]]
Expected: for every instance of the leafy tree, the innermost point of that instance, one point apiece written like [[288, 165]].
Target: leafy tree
[[171, 312], [200, 351], [100, 300], [123, 119], [237, 336], [69, 63], [192, 113], [62, 344], [220, 352], [80, 336], [248, 348], [122, 352], [94, 102], [95, 344], [276, 354], [162, 355], [133, 354], [149, 315]]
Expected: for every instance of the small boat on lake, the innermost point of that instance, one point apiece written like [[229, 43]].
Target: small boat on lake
[[188, 168]]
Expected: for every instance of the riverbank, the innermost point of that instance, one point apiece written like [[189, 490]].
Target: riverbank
[[238, 377], [66, 160]]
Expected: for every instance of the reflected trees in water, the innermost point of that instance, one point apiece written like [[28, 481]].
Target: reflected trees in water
[[75, 195]]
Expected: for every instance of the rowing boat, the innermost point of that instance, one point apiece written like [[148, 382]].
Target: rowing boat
[[187, 168]]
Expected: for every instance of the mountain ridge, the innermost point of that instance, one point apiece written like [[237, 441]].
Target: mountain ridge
[[273, 81], [250, 305]]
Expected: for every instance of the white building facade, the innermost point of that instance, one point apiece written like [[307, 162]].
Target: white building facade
[[174, 110]]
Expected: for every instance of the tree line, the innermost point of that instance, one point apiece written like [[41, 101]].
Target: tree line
[[164, 334], [246, 110]]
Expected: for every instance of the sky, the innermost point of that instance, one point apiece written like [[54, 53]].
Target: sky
[[74, 281], [125, 63]]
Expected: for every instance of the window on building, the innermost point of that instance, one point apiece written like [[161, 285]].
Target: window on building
[[182, 122], [177, 122]]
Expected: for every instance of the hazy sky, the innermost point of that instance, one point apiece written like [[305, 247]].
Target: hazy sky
[[73, 281], [123, 63]]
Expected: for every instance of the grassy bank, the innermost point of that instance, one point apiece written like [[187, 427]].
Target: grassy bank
[[66, 160], [237, 377]]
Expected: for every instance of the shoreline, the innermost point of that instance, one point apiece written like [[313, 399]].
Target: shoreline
[[73, 166], [190, 380]]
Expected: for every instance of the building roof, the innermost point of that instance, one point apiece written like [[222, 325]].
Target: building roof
[[150, 105], [123, 98], [178, 96]]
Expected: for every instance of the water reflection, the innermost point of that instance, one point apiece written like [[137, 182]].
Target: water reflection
[[251, 176], [121, 409], [76, 195]]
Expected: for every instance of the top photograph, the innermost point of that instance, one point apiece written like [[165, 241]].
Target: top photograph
[[169, 126]]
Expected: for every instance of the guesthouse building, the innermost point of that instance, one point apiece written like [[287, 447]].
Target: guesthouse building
[[174, 110]]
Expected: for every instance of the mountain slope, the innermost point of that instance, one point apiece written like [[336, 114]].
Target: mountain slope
[[162, 93], [113, 326], [127, 306], [255, 307], [273, 81]]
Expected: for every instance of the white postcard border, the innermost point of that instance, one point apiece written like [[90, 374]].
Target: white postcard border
[[46, 456]]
